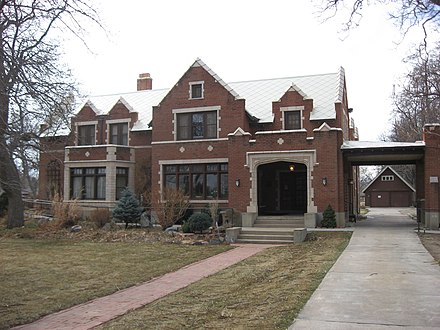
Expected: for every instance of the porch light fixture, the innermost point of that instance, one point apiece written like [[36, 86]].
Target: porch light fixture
[[237, 182], [291, 167], [324, 181]]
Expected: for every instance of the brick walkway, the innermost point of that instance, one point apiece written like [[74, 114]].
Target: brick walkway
[[101, 310]]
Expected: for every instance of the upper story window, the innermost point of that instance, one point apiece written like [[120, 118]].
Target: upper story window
[[86, 135], [292, 120], [119, 133], [196, 90], [387, 178], [292, 117], [197, 125]]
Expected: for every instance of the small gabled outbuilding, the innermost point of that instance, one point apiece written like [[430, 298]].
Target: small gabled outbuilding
[[389, 189]]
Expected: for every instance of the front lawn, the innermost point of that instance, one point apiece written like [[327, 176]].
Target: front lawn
[[265, 291], [43, 276]]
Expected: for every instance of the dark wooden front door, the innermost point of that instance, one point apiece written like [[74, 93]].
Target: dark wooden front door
[[293, 192]]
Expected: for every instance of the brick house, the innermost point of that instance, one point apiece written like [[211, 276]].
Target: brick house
[[389, 189], [264, 147]]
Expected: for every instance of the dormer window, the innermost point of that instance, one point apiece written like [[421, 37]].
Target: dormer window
[[196, 90], [119, 134], [86, 135], [292, 118]]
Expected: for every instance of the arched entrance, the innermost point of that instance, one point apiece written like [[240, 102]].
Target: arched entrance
[[282, 188]]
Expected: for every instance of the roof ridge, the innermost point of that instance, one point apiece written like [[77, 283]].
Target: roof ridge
[[126, 93], [280, 78]]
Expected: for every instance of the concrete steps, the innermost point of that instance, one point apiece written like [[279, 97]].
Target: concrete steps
[[279, 222], [273, 230]]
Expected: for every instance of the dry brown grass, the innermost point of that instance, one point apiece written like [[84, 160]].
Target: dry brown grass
[[432, 243], [263, 292], [65, 213], [41, 276]]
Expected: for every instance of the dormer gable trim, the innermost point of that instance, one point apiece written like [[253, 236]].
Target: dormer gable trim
[[239, 132], [125, 103], [323, 128], [90, 104], [295, 88]]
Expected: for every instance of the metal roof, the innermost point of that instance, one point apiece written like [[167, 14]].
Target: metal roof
[[324, 89], [141, 102]]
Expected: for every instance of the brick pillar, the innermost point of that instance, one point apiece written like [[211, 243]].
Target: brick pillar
[[431, 136]]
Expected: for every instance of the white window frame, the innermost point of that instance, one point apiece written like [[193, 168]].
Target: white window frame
[[117, 121], [193, 110], [84, 123], [291, 109], [191, 84], [387, 178]]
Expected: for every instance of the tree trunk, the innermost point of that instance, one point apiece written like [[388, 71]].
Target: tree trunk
[[11, 185]]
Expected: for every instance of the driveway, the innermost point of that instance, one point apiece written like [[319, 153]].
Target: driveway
[[385, 279]]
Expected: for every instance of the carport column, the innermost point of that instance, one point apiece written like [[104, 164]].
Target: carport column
[[431, 136]]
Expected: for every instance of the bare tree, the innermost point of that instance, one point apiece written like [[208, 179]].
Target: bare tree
[[366, 176], [33, 82], [417, 101], [407, 13]]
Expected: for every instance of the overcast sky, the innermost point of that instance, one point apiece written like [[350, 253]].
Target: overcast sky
[[244, 40]]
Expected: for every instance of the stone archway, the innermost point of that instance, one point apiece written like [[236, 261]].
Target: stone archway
[[306, 159]]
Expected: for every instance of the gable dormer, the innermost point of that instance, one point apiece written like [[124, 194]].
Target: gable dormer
[[292, 111]]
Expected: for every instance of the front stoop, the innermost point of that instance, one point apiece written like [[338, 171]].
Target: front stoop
[[274, 230], [282, 221]]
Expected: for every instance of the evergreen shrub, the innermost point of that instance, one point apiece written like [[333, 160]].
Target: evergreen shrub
[[128, 210], [199, 222], [329, 218]]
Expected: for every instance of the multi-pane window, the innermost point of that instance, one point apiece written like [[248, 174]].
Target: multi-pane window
[[86, 135], [54, 178], [119, 133], [87, 183], [387, 178], [198, 181], [121, 180], [197, 125], [196, 90], [292, 120]]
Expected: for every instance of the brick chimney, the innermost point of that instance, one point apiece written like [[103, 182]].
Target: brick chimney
[[144, 82]]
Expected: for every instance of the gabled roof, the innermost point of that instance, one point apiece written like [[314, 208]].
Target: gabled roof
[[324, 89], [395, 173], [140, 102]]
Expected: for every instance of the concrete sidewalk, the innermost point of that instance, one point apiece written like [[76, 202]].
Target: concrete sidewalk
[[101, 310], [385, 279]]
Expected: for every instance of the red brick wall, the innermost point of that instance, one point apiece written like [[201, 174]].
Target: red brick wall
[[52, 149], [95, 153], [232, 111], [431, 137]]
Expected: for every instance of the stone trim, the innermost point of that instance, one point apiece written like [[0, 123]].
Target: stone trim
[[255, 159]]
